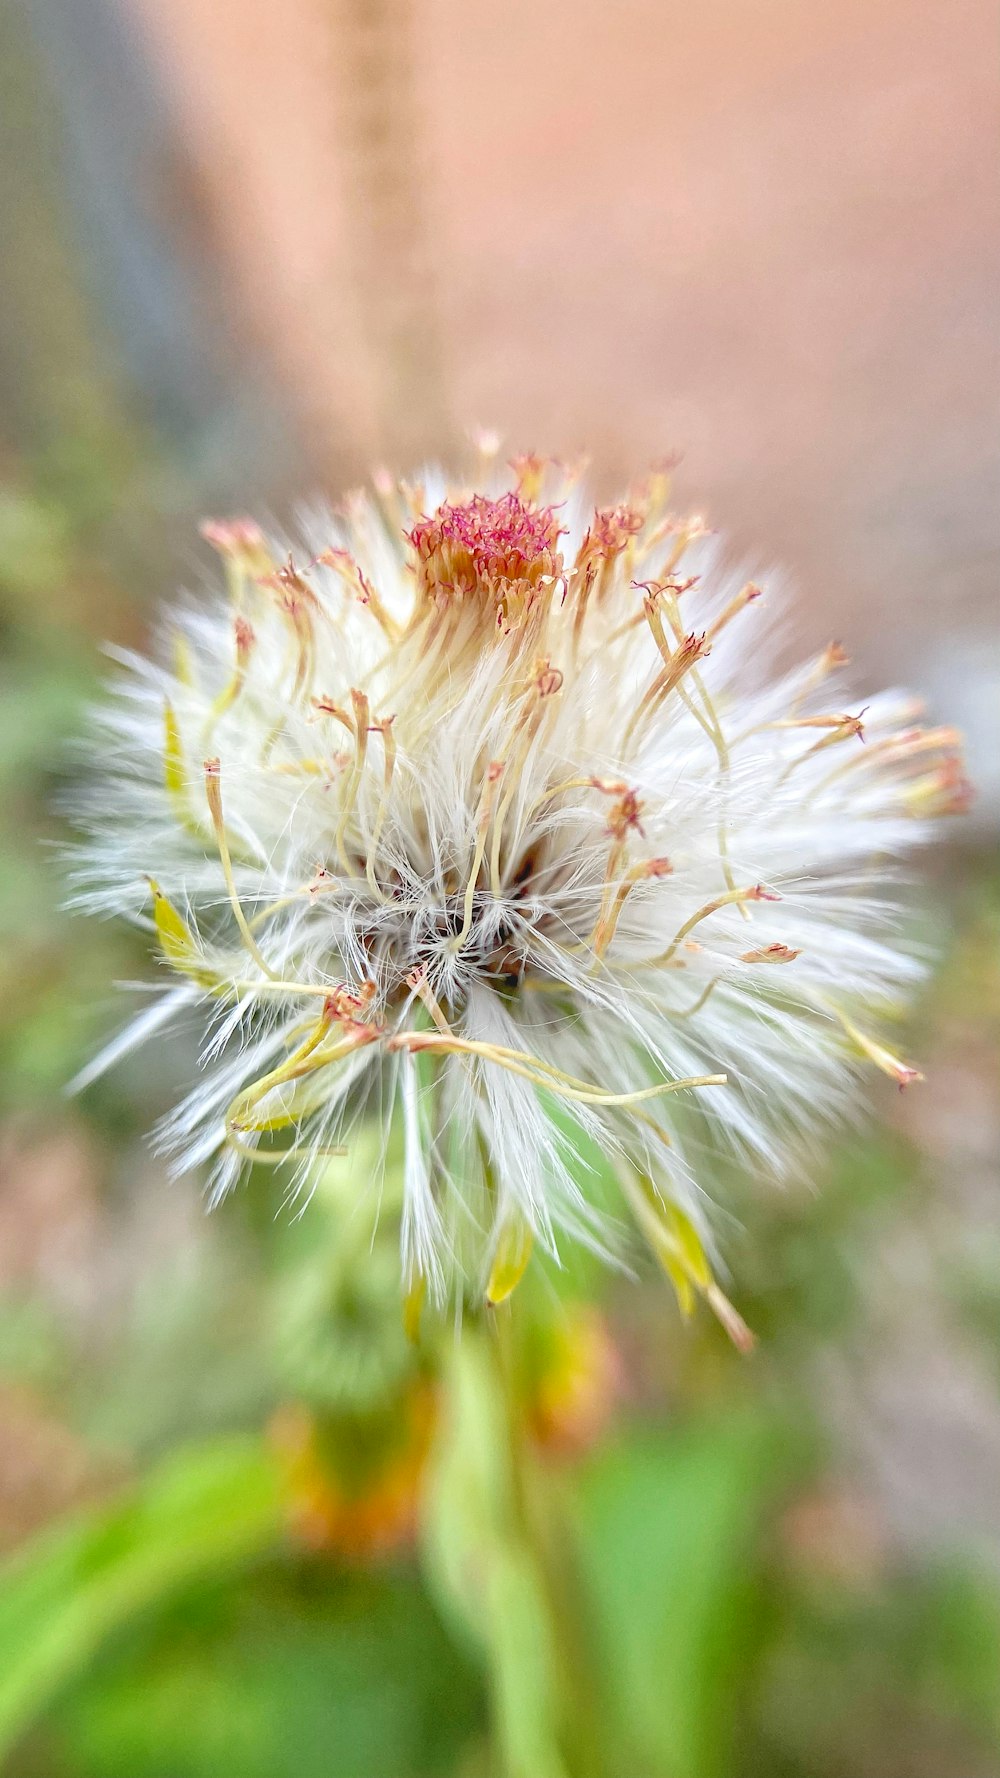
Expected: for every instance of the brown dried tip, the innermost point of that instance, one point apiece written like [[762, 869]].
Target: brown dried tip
[[624, 814], [325, 706], [770, 954], [906, 1076], [290, 584], [610, 529], [350, 1006], [548, 679]]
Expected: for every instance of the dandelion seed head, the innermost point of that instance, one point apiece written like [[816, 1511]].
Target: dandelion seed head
[[477, 813]]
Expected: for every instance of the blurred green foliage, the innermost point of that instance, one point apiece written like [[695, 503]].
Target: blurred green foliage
[[669, 1527], [83, 1580]]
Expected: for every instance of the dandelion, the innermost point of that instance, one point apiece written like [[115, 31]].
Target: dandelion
[[483, 816]]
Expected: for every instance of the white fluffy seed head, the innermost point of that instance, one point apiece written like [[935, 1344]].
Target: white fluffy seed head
[[482, 816]]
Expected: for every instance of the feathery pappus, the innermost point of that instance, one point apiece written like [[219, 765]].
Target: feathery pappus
[[483, 814]]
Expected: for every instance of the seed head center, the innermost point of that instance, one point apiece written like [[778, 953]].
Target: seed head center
[[501, 552]]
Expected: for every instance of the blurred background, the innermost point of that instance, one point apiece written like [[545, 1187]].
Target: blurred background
[[250, 251]]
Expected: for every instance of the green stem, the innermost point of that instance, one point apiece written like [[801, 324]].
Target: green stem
[[540, 1531]]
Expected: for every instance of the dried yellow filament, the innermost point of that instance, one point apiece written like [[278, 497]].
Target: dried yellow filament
[[743, 598], [421, 987], [615, 857], [350, 573], [832, 656], [678, 663], [314, 990], [543, 1073], [836, 720], [522, 738], [244, 639], [853, 723], [643, 1117], [325, 885], [279, 1157], [581, 579], [847, 729], [901, 1072], [359, 705], [213, 792], [737, 897], [678, 1247], [291, 1068], [306, 1060], [893, 748], [713, 728], [175, 773], [608, 787], [650, 612], [487, 797], [607, 925], [326, 707], [705, 995], [694, 528], [295, 600], [389, 756]]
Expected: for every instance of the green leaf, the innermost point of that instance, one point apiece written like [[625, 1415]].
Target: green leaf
[[667, 1526], [296, 1670], [66, 1591]]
